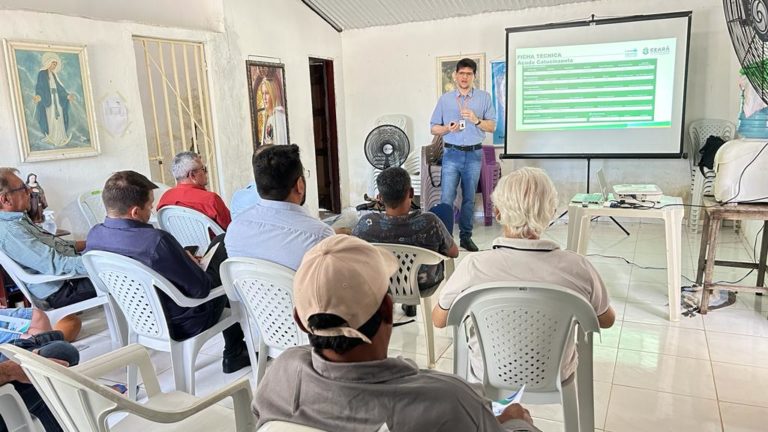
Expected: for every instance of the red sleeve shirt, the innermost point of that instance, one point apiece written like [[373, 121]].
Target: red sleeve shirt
[[197, 198]]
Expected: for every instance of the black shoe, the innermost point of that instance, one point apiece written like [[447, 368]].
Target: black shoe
[[410, 310], [233, 363], [468, 244]]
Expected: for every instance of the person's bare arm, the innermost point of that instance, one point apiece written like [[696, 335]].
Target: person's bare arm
[[10, 371], [487, 125], [453, 252], [515, 412], [444, 129], [439, 316], [607, 318]]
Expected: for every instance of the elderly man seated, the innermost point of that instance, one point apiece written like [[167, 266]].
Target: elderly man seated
[[400, 225], [344, 380], [525, 202], [39, 251], [190, 191], [128, 199]]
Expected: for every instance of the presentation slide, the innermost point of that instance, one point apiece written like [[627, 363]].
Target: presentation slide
[[603, 88], [598, 86]]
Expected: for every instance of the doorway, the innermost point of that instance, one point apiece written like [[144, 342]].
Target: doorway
[[326, 138]]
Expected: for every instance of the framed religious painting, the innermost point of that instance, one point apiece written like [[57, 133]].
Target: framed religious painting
[[267, 99], [446, 67], [52, 100]]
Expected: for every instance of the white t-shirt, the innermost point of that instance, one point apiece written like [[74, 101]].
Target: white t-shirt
[[532, 261]]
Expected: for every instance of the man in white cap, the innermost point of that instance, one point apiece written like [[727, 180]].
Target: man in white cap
[[344, 380]]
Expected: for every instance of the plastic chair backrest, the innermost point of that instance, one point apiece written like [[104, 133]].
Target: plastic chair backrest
[[404, 284], [21, 277], [281, 426], [189, 227], [700, 130], [92, 207], [132, 286], [265, 291], [79, 402], [14, 413], [523, 329]]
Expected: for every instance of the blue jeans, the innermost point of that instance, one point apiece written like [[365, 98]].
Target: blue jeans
[[464, 167]]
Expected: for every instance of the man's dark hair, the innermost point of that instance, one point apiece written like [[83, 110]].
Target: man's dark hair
[[340, 344], [467, 63], [125, 189], [394, 185], [276, 170]]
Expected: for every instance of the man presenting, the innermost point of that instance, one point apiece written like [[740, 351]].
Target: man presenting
[[463, 116]]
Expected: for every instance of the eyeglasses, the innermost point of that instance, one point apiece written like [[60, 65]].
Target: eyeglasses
[[203, 169], [307, 172], [466, 74], [23, 187]]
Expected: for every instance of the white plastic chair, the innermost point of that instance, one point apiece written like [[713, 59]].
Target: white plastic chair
[[404, 285], [701, 185], [22, 278], [523, 329], [92, 207], [263, 293], [82, 404], [189, 227], [281, 426], [133, 287], [15, 414]]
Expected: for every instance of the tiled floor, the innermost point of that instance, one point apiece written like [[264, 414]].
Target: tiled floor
[[699, 374]]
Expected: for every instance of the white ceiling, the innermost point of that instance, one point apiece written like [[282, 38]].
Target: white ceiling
[[356, 14]]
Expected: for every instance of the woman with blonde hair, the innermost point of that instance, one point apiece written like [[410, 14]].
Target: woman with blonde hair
[[275, 130], [525, 201]]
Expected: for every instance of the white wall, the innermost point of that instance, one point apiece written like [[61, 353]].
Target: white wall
[[251, 26], [393, 70]]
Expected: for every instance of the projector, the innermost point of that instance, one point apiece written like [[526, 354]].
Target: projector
[[741, 168], [638, 192]]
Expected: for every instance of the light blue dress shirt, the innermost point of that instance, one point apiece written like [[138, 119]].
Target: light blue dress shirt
[[37, 250], [243, 199], [276, 231], [447, 110]]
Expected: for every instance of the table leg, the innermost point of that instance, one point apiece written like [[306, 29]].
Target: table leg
[[714, 230], [673, 227], [702, 250], [584, 229], [763, 255]]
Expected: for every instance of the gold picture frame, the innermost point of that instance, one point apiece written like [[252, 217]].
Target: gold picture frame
[[446, 66], [52, 100]]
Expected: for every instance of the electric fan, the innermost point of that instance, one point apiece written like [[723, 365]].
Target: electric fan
[[387, 146], [747, 22], [740, 169]]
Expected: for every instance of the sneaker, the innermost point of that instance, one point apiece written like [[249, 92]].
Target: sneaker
[[468, 244], [410, 310]]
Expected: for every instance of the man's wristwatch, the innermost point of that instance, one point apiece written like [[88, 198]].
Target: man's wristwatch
[[478, 122]]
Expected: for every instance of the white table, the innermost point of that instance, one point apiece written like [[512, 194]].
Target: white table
[[579, 227]]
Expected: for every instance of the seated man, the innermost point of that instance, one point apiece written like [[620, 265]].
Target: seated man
[[128, 199], [277, 228], [344, 380], [525, 202], [40, 252], [400, 225], [191, 179], [35, 336]]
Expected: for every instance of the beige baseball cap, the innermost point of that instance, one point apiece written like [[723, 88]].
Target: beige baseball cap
[[344, 276]]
